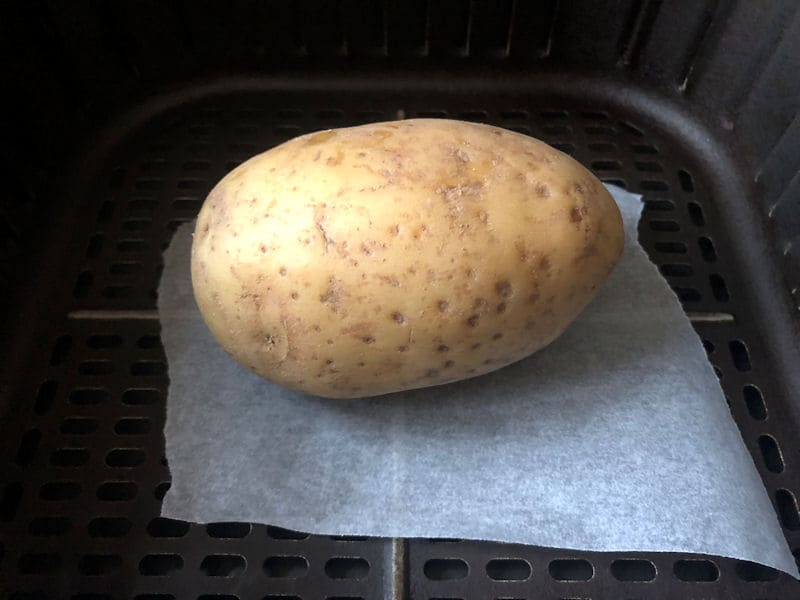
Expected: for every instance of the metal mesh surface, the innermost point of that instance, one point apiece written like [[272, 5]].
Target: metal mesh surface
[[84, 465]]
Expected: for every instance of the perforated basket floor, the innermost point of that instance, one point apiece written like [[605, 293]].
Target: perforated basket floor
[[84, 469]]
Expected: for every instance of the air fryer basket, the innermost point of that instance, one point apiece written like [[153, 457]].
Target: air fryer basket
[[693, 105]]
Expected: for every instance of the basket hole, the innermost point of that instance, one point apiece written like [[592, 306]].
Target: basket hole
[[137, 224], [554, 115], [445, 569], [771, 451], [740, 355], [644, 149], [9, 503], [49, 526], [88, 396], [432, 114], [606, 165], [61, 350], [707, 250], [687, 294], [330, 114], [186, 204], [148, 185], [696, 570], [199, 185], [676, 270], [148, 368], [696, 213], [125, 268], [283, 597], [571, 569], [105, 341], [59, 490], [514, 115], [754, 402], [160, 564], [347, 567], [709, 347], [477, 116], [108, 527], [106, 212], [161, 490], [562, 130], [348, 538], [278, 533], [196, 165], [687, 183], [38, 563], [28, 596], [288, 567], [508, 569], [99, 564], [125, 457], [653, 185], [660, 205], [286, 131], [603, 147], [752, 572], [45, 396], [137, 206], [664, 225], [28, 446], [633, 570], [290, 113], [718, 288], [161, 527], [229, 531], [369, 116], [232, 597], [648, 166], [564, 147], [132, 426], [117, 491], [154, 597], [671, 247], [82, 284], [129, 246], [242, 148], [96, 367], [594, 115], [141, 396], [223, 565], [148, 342], [69, 457], [787, 508], [95, 246], [603, 130]]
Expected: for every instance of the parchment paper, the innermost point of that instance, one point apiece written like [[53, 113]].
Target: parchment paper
[[616, 437]]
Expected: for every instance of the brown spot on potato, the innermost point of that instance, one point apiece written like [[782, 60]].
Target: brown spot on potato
[[575, 215], [322, 136], [317, 155], [394, 230], [361, 364], [295, 295], [533, 298], [328, 361], [501, 308], [282, 271], [368, 339], [497, 336], [443, 348], [398, 318], [443, 305], [504, 288], [431, 373], [542, 191], [479, 304], [544, 263], [448, 364], [402, 348], [263, 248], [473, 320]]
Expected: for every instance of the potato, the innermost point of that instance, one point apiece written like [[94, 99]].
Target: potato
[[367, 260]]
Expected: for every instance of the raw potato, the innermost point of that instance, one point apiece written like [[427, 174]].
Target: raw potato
[[373, 259]]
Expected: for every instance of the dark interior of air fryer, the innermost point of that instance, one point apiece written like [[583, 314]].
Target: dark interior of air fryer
[[119, 117]]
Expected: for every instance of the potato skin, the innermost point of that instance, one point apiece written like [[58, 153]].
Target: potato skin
[[367, 260]]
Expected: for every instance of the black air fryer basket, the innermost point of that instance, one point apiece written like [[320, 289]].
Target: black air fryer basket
[[119, 116]]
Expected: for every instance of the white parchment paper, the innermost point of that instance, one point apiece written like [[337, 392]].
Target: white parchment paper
[[616, 437]]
